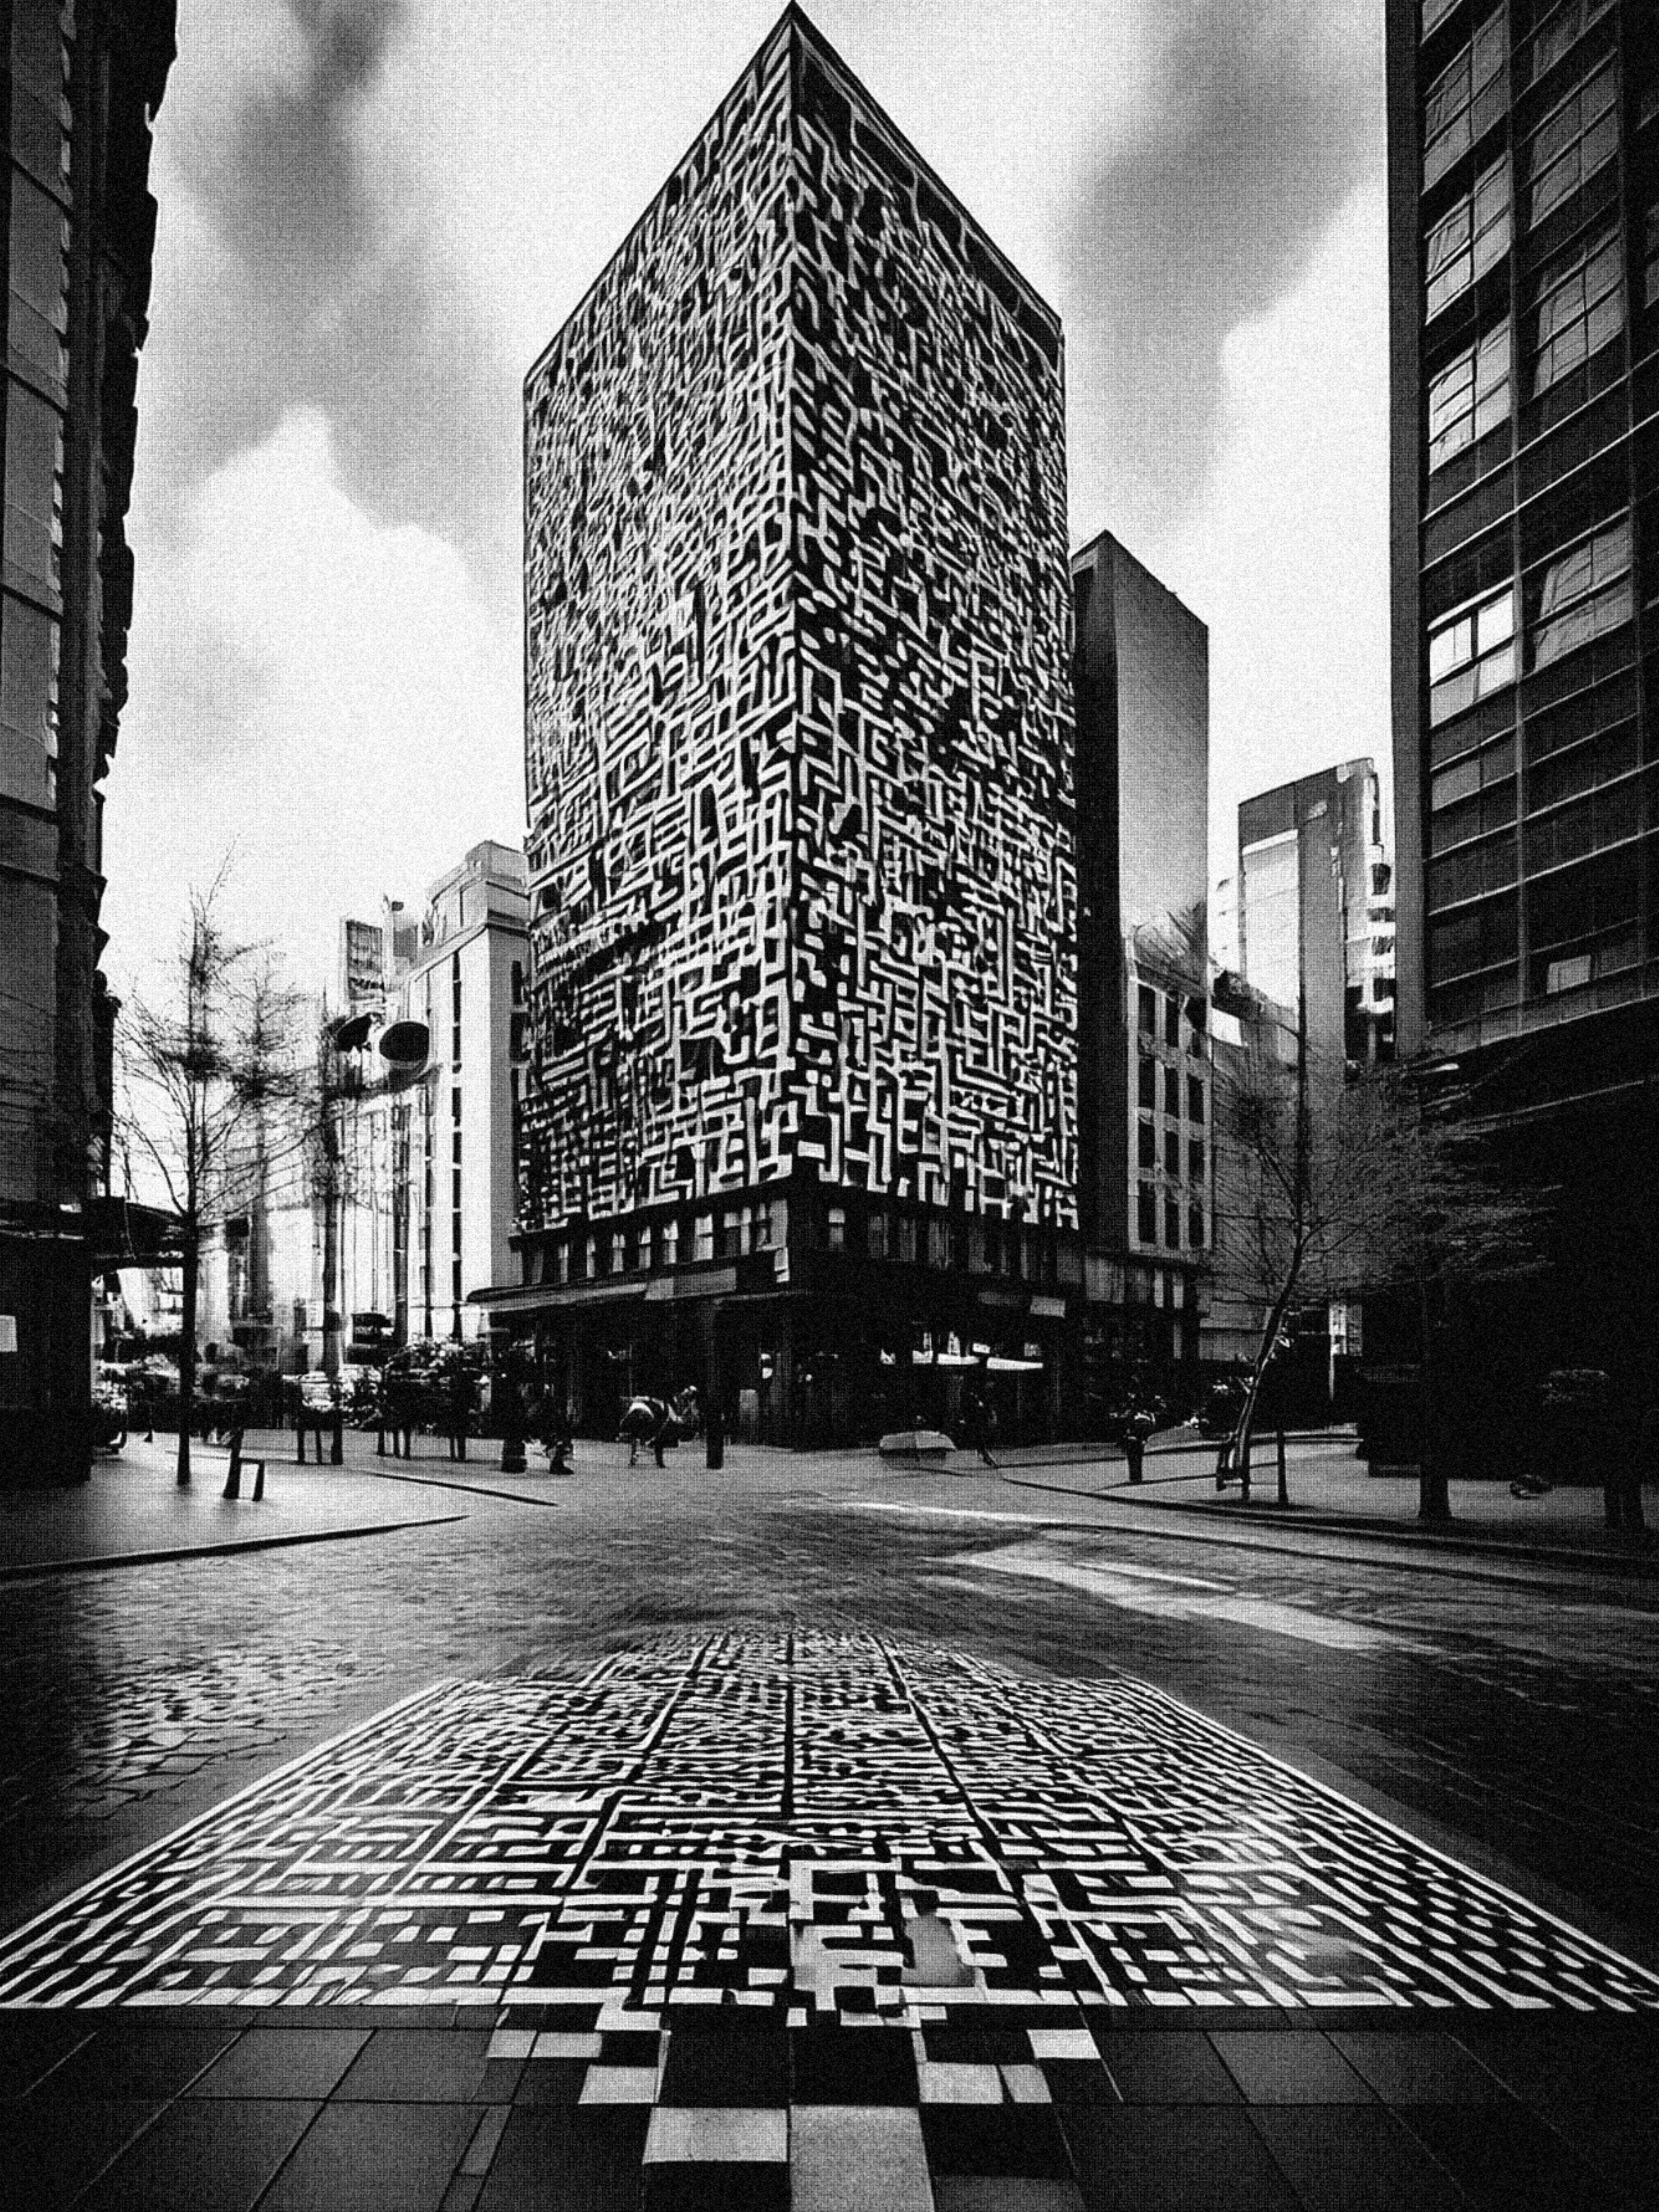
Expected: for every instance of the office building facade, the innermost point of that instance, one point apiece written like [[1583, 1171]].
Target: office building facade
[[1524, 287], [79, 224], [1316, 917], [1145, 1110], [800, 740]]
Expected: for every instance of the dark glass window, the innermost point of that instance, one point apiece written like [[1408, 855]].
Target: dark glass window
[[1579, 595], [1148, 1082], [1148, 1151], [1172, 1224], [1172, 1021], [39, 313], [1195, 1099], [1472, 239], [1148, 998], [34, 442], [1196, 1160], [1172, 1092], [1146, 1215], [1480, 936], [1471, 654], [1172, 1149], [1577, 304], [1455, 113], [1470, 396], [1195, 1227], [1572, 142]]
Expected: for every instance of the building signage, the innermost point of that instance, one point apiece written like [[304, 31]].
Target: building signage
[[1043, 1308]]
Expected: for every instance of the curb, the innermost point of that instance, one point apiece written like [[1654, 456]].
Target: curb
[[99, 1563], [1645, 1564]]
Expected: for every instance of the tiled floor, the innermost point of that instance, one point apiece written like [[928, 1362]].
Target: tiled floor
[[842, 2119], [820, 1923]]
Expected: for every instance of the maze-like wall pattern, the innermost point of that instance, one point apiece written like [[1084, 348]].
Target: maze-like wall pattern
[[797, 722]]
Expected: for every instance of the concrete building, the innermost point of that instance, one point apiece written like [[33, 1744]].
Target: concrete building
[[803, 1125], [81, 225], [1141, 676], [1524, 293], [379, 1227], [1315, 912], [452, 1174], [1254, 1048]]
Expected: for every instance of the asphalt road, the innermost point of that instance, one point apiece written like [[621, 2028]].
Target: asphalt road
[[1505, 1712]]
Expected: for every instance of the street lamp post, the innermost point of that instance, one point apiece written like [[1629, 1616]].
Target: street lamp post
[[513, 1452]]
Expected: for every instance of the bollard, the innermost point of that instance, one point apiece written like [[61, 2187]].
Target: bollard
[[1283, 1493], [233, 1479], [714, 1432], [336, 1449]]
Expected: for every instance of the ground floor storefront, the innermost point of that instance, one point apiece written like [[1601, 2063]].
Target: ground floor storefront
[[842, 1351]]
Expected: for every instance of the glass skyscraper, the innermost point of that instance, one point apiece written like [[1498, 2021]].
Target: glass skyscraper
[[1524, 245]]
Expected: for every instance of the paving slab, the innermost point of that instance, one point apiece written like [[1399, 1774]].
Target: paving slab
[[131, 1508], [673, 1926]]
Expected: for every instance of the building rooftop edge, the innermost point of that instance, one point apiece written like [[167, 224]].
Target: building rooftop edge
[[793, 21], [1102, 537], [1365, 760]]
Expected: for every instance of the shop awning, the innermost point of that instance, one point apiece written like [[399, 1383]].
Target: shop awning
[[549, 1297]]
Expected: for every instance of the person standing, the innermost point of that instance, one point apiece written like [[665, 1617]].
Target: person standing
[[982, 1425]]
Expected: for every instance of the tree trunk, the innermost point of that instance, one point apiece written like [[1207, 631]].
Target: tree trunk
[[187, 1355], [1246, 1423]]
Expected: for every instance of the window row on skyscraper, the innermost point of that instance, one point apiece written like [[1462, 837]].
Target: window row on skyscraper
[[1574, 596], [1541, 345]]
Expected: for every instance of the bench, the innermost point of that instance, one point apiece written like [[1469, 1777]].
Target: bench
[[917, 1447]]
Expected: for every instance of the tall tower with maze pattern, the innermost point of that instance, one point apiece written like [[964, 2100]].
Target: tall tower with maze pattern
[[799, 722]]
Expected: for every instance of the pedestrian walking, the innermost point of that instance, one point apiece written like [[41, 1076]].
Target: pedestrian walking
[[982, 1425]]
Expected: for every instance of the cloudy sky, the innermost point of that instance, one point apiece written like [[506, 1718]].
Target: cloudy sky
[[375, 213]]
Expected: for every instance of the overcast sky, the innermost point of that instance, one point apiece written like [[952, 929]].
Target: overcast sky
[[375, 213]]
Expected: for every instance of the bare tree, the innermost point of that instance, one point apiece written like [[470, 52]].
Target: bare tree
[[1329, 1189], [208, 1077]]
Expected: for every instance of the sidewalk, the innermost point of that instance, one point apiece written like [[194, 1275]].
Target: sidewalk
[[1330, 1489], [132, 1508]]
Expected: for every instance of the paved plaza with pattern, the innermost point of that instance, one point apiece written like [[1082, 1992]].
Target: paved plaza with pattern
[[799, 1918]]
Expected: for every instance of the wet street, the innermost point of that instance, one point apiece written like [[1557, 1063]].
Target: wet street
[[1010, 1785]]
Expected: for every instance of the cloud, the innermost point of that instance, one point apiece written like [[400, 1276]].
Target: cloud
[[290, 272], [1259, 121], [326, 692], [1286, 555]]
